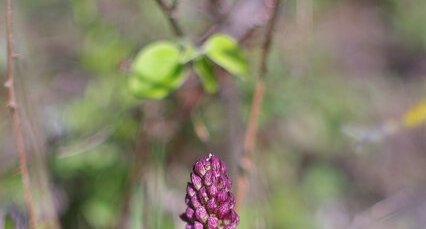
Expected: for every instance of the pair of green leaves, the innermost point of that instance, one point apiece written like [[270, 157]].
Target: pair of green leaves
[[161, 67]]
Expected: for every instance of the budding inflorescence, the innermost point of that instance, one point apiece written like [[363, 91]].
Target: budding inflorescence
[[210, 203]]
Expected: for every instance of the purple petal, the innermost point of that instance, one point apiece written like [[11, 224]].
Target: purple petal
[[195, 203], [196, 181], [215, 162], [223, 168], [187, 199], [201, 214], [208, 178], [189, 213], [212, 222], [212, 190], [211, 205], [223, 210], [202, 195], [231, 219], [227, 183], [199, 168], [198, 225], [230, 227], [222, 196], [221, 182], [231, 200], [190, 190], [233, 216]]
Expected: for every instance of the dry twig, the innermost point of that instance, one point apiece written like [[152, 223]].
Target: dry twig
[[14, 111], [169, 11], [252, 124]]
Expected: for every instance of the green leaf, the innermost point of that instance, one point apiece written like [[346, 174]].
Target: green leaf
[[103, 49], [144, 89], [225, 51], [324, 182], [188, 52], [136, 207], [84, 11], [156, 71], [9, 223], [99, 213], [204, 69]]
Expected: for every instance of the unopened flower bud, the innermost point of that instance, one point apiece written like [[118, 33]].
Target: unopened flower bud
[[209, 199]]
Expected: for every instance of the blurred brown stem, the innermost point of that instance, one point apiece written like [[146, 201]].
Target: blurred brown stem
[[169, 11], [13, 108], [256, 106]]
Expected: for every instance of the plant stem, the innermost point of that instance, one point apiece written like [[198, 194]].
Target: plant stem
[[256, 106], [13, 109], [169, 11]]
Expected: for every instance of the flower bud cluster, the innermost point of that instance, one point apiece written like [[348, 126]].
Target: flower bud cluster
[[208, 198]]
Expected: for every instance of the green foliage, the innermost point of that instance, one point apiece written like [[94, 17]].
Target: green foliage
[[158, 69], [103, 49], [101, 175], [84, 11], [101, 157], [188, 51], [204, 69], [225, 51], [100, 96], [9, 223], [99, 213], [409, 20], [136, 207], [323, 182], [291, 212], [11, 188]]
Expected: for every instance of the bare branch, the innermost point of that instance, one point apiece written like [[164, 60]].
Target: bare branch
[[256, 106], [13, 108], [169, 11]]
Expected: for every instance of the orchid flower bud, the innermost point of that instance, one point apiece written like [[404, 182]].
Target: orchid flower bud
[[209, 199]]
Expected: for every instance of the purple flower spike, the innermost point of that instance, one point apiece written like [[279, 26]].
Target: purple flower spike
[[209, 199]]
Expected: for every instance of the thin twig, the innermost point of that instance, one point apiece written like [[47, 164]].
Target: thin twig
[[256, 106], [169, 11], [13, 108]]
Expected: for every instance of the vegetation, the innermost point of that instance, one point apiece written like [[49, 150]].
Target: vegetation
[[317, 108]]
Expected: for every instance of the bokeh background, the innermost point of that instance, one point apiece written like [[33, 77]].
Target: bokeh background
[[341, 141]]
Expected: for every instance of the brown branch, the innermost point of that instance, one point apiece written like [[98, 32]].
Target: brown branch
[[169, 12], [13, 109], [256, 106]]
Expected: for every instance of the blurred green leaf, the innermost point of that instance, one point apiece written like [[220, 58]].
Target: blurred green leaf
[[103, 49], [100, 157], [323, 182], [408, 20], [156, 71], [84, 11], [99, 213], [9, 223], [288, 210], [100, 96], [136, 208], [11, 187], [225, 51], [204, 69]]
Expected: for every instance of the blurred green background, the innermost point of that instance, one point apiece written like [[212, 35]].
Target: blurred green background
[[332, 148]]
